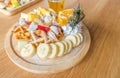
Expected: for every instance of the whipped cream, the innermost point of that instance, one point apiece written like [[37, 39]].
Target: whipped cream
[[69, 30], [47, 19], [21, 21], [33, 26], [52, 35], [54, 29]]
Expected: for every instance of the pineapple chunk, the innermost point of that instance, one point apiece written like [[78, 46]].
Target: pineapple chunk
[[32, 17], [15, 3], [63, 21], [64, 16]]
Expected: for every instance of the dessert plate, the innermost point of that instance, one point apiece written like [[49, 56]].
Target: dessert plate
[[16, 10], [35, 65]]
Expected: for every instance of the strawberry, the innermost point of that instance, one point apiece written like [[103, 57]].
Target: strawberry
[[46, 29]]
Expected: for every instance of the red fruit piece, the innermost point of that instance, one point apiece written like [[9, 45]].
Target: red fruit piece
[[46, 29]]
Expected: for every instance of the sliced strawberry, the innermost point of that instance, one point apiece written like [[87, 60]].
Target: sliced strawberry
[[46, 29]]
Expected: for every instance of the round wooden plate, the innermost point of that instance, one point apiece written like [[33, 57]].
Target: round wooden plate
[[36, 65]]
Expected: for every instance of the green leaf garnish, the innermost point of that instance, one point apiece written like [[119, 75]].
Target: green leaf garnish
[[77, 17]]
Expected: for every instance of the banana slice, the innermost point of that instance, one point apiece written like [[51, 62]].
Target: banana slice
[[81, 36], [73, 39], [21, 44], [61, 48], [78, 39], [66, 46], [54, 51], [43, 50], [28, 50], [70, 45]]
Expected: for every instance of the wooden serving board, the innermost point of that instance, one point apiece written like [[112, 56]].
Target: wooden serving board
[[35, 65], [16, 10]]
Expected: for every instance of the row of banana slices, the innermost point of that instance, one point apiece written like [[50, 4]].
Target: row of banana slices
[[54, 49]]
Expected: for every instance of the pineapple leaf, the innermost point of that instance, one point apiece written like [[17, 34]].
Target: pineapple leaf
[[77, 17]]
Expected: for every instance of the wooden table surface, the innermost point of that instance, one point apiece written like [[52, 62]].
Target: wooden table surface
[[102, 60]]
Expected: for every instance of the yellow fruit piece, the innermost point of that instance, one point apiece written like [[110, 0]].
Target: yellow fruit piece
[[42, 11], [15, 3], [64, 16], [32, 17]]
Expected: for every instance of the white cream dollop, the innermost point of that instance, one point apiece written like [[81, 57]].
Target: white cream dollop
[[54, 29], [21, 21], [75, 30], [47, 19], [33, 26], [52, 35], [69, 30]]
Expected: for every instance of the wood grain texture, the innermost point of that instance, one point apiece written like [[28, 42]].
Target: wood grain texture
[[103, 59]]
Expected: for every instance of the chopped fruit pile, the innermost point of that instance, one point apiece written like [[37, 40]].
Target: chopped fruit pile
[[47, 34], [12, 4]]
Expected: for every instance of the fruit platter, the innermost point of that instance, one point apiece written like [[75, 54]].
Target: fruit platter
[[43, 41], [11, 7]]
